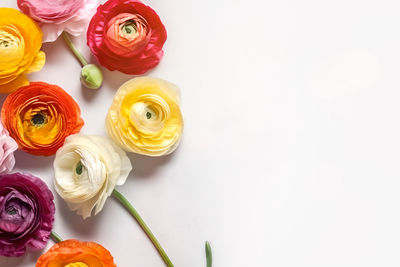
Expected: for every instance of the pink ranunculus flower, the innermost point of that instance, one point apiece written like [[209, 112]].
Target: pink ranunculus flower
[[56, 16], [7, 148]]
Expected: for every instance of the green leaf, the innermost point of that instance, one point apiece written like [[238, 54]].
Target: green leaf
[[208, 254]]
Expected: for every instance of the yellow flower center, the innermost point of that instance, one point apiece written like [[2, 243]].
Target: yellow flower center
[[76, 264], [12, 46], [39, 122], [8, 40], [149, 113]]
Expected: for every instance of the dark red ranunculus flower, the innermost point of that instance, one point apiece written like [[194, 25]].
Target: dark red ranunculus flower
[[26, 213], [126, 35]]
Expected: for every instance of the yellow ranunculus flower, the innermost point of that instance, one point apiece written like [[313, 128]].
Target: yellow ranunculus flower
[[20, 42], [145, 117]]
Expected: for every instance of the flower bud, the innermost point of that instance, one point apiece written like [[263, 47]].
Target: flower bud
[[91, 76]]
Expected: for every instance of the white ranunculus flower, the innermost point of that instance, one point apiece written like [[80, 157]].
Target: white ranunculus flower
[[87, 168]]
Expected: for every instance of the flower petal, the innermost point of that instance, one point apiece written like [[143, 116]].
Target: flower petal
[[86, 169], [145, 117], [38, 62], [134, 51], [18, 82]]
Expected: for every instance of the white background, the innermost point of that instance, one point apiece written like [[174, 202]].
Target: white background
[[291, 146]]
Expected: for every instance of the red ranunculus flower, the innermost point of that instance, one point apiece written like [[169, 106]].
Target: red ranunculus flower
[[126, 35]]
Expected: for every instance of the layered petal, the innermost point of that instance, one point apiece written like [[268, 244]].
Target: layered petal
[[37, 63], [20, 43], [7, 148], [26, 213], [54, 17], [126, 35], [145, 117], [75, 253], [40, 116], [87, 169]]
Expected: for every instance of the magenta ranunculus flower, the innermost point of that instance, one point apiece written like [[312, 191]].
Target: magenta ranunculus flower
[[7, 148], [26, 213], [56, 16]]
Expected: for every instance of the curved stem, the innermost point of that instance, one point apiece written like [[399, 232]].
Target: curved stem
[[208, 254], [56, 238], [73, 48], [142, 224]]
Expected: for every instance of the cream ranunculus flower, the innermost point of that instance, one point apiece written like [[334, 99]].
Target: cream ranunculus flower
[[87, 168], [145, 117]]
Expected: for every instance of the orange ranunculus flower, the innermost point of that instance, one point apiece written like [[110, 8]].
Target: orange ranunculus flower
[[40, 116], [20, 43], [74, 253]]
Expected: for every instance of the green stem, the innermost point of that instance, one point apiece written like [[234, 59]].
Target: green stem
[[142, 224], [56, 238], [208, 254], [76, 52]]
